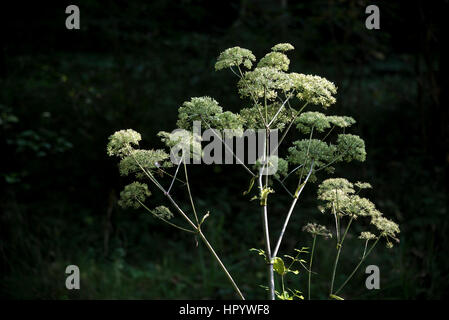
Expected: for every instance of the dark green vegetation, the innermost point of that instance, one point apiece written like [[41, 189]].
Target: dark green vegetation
[[131, 66]]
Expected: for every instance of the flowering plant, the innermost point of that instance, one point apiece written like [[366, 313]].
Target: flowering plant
[[278, 101]]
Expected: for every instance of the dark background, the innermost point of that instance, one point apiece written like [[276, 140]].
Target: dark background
[[63, 92]]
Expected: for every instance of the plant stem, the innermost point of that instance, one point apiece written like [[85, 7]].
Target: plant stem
[[364, 250], [264, 211], [174, 177], [214, 254], [268, 250], [357, 267], [289, 126], [195, 227], [310, 265], [339, 245], [229, 149], [190, 194], [212, 251], [290, 211], [166, 221]]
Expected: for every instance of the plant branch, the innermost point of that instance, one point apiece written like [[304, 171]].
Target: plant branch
[[289, 126], [310, 266], [166, 221], [339, 246], [190, 194], [229, 149], [174, 177], [357, 267], [296, 196]]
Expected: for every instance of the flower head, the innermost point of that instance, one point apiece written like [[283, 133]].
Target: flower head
[[198, 109], [387, 227], [341, 121], [252, 119], [363, 185], [367, 236], [317, 230], [276, 60], [235, 56], [147, 160], [316, 120], [121, 142], [282, 47], [133, 195], [162, 212], [263, 82], [314, 89], [351, 147]]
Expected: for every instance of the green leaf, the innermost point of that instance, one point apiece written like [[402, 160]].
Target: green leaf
[[264, 195], [251, 184], [296, 293], [279, 266], [204, 218], [259, 251], [290, 257], [333, 296]]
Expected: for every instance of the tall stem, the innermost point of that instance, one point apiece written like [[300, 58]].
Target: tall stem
[[214, 254], [310, 266], [264, 211], [204, 239], [195, 227], [268, 252], [357, 267], [290, 211], [339, 245], [190, 194]]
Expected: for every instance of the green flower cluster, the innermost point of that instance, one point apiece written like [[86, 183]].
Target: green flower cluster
[[252, 119], [305, 150], [363, 185], [351, 147], [132, 194], [147, 160], [269, 78], [235, 56], [339, 197], [314, 89], [275, 60], [264, 82], [387, 228], [197, 109], [308, 120], [162, 212], [230, 121], [341, 121], [121, 142], [208, 112], [282, 47], [320, 122], [317, 230], [366, 235], [188, 142]]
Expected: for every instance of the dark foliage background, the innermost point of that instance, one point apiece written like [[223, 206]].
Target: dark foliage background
[[63, 92]]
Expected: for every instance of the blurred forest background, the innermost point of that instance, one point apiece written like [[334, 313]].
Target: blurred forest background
[[132, 64]]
